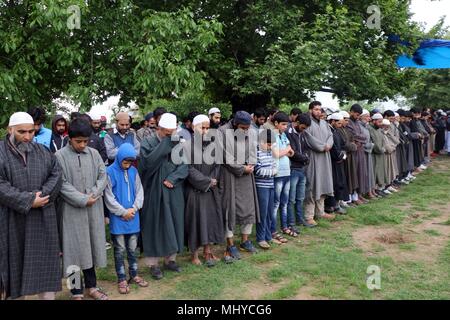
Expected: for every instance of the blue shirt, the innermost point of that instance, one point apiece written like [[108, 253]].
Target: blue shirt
[[44, 137], [284, 165]]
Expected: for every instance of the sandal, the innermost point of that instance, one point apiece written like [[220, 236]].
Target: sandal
[[279, 237], [98, 294], [290, 232], [123, 287], [209, 260], [139, 281]]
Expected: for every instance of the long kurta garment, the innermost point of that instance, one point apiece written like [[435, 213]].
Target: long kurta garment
[[337, 153], [239, 198], [351, 168], [402, 161], [417, 142], [203, 212], [368, 148], [359, 138], [378, 152], [319, 172], [29, 245], [409, 148], [162, 216], [391, 159], [83, 228]]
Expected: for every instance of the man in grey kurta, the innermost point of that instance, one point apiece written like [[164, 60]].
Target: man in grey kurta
[[162, 216], [378, 151], [319, 173], [368, 148], [83, 226], [360, 156], [30, 180], [237, 182]]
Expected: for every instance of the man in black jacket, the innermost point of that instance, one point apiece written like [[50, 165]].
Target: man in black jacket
[[299, 161], [59, 133]]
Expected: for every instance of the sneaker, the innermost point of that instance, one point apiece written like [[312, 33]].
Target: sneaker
[[387, 192], [341, 211], [107, 245], [172, 266], [423, 167], [343, 204], [392, 189], [264, 245], [234, 252], [248, 246], [156, 273]]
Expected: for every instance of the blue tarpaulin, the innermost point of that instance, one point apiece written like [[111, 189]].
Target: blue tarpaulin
[[432, 54]]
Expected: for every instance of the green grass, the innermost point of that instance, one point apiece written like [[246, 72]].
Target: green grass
[[328, 259]]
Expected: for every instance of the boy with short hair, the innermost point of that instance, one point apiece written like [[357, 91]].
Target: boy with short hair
[[282, 152], [124, 196], [265, 170], [83, 226]]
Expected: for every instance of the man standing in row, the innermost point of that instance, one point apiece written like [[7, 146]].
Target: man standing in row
[[30, 180], [319, 173], [121, 135]]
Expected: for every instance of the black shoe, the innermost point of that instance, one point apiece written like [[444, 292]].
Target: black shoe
[[156, 273], [172, 266]]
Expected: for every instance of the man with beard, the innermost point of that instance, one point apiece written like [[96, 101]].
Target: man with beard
[[186, 130], [418, 134], [120, 135], [368, 148], [30, 180], [351, 168], [378, 152], [96, 124], [237, 183], [405, 119], [354, 126], [319, 173], [42, 135], [259, 118], [148, 128], [162, 216], [338, 156], [214, 117], [59, 133], [203, 212]]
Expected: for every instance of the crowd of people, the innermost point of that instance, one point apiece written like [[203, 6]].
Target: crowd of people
[[161, 187]]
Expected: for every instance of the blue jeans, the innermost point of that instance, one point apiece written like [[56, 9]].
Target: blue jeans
[[265, 200], [281, 198], [128, 243], [296, 196]]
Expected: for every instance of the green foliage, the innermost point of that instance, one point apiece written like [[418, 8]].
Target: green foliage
[[122, 48]]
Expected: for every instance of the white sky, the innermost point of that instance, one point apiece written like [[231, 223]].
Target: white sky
[[429, 12]]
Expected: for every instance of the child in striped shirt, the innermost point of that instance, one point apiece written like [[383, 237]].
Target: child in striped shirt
[[265, 170]]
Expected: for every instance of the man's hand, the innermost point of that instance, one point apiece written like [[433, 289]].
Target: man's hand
[[39, 201], [248, 169], [91, 200], [130, 214], [327, 148], [291, 153], [168, 184]]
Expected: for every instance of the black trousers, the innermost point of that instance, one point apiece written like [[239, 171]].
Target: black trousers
[[90, 281]]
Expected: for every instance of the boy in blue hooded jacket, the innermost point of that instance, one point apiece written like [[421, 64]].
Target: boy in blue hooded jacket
[[124, 196]]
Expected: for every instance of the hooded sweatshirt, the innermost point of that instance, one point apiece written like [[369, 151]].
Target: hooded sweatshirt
[[58, 141], [124, 191]]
